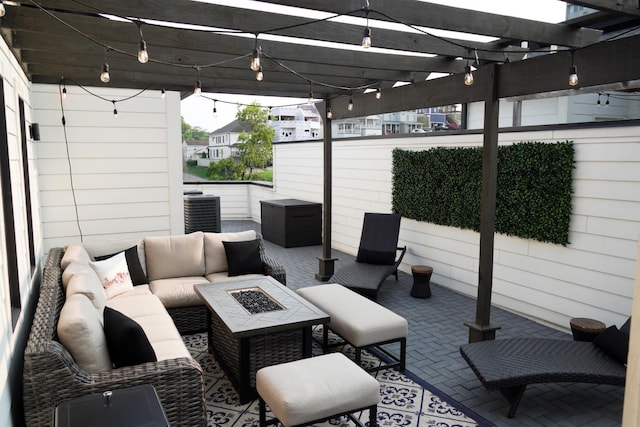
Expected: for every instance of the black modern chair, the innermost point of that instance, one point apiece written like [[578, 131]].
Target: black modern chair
[[376, 255]]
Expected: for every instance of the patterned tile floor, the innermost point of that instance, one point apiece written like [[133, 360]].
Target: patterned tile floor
[[436, 330]]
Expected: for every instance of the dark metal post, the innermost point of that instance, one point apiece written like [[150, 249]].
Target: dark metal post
[[326, 263], [481, 329]]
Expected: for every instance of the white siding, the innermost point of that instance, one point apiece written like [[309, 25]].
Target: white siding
[[125, 172], [592, 277]]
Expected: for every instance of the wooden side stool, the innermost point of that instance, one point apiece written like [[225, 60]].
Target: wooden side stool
[[421, 277], [316, 389], [584, 329]]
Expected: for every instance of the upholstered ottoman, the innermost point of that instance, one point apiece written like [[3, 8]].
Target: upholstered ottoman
[[316, 389], [359, 321]]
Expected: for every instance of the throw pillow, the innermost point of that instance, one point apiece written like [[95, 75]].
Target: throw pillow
[[243, 257], [127, 343], [133, 264], [369, 256], [613, 342], [114, 275]]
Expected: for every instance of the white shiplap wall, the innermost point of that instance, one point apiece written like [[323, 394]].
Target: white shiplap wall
[[592, 277], [125, 171]]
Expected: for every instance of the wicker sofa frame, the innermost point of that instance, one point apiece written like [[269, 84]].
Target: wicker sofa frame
[[51, 375], [509, 365]]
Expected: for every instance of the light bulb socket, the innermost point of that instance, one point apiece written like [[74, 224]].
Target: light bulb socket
[[197, 90], [143, 55]]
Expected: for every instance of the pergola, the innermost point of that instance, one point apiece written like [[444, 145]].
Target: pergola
[[317, 51]]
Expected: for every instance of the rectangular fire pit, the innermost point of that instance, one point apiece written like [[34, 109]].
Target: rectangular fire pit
[[245, 341]]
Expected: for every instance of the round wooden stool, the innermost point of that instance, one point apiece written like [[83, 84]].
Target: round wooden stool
[[421, 276], [584, 329]]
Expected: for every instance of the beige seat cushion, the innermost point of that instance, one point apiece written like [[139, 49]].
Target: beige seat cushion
[[174, 256], [81, 332], [223, 276], [214, 253], [150, 314], [356, 318], [315, 388], [178, 291]]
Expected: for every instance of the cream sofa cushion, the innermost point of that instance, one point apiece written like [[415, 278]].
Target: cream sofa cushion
[[81, 332], [80, 278], [174, 256], [214, 253], [177, 291], [224, 277], [74, 252], [150, 314]]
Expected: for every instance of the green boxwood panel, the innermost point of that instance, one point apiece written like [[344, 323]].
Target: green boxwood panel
[[533, 200]]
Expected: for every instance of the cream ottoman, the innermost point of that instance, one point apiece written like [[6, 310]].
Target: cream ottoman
[[316, 389], [359, 321]]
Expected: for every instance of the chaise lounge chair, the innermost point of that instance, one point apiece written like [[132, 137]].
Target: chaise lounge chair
[[509, 365], [376, 255]]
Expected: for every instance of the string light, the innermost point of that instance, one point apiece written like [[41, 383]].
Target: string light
[[64, 92], [115, 110], [366, 38], [468, 75], [606, 104], [329, 114], [197, 90], [163, 94], [2, 9], [255, 57], [573, 72], [598, 101], [259, 74], [143, 55], [215, 110], [310, 100], [378, 93], [104, 75], [350, 105]]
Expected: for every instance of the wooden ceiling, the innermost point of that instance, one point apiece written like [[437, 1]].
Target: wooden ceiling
[[71, 39]]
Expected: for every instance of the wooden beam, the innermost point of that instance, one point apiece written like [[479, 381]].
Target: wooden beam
[[433, 15]]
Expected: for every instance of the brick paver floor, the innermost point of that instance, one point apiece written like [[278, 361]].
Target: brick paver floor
[[436, 330]]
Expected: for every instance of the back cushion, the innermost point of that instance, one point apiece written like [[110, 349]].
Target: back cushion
[[74, 253], [82, 279], [174, 256], [214, 254], [80, 331]]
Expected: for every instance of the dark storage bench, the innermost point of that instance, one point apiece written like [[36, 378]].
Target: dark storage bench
[[291, 222]]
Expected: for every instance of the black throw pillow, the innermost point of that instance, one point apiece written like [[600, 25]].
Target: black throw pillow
[[127, 343], [369, 256], [243, 257], [133, 264], [613, 342]]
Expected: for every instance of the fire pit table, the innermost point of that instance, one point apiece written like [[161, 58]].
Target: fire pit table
[[255, 323]]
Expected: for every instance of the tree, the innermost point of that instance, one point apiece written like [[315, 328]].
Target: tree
[[193, 132], [225, 169], [254, 149]]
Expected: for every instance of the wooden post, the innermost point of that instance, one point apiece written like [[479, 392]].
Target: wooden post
[[326, 262], [481, 329]]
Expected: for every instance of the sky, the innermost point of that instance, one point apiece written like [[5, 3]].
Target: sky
[[198, 111]]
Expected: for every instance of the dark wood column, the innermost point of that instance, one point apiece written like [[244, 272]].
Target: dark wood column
[[326, 262], [482, 329]]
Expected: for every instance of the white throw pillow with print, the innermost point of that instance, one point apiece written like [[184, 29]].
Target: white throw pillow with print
[[114, 275]]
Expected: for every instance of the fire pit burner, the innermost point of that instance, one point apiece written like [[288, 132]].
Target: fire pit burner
[[255, 300]]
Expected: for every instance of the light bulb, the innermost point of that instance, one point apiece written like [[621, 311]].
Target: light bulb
[[64, 92], [329, 113], [573, 75], [378, 93], [366, 38], [197, 90], [2, 9], [115, 112], [259, 74], [104, 75], [598, 102], [606, 104], [215, 112], [255, 60], [350, 106], [163, 94], [468, 75], [143, 55]]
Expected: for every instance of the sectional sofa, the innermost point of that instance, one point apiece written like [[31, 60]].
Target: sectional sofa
[[110, 315]]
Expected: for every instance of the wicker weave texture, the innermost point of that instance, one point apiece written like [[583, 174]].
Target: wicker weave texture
[[51, 375]]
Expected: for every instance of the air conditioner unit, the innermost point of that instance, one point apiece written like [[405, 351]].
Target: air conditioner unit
[[201, 213]]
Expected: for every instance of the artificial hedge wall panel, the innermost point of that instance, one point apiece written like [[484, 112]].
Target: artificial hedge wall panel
[[533, 200]]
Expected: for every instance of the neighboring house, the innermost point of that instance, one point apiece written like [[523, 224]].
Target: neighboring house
[[296, 123], [223, 142], [400, 122], [194, 149], [357, 126]]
